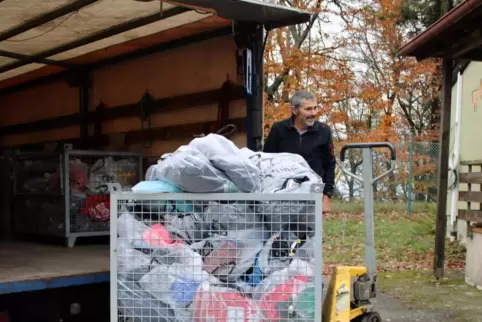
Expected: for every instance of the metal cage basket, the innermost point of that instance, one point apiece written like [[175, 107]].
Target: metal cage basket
[[66, 194], [216, 257]]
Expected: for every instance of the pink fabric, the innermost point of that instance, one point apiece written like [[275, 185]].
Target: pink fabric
[[159, 236]]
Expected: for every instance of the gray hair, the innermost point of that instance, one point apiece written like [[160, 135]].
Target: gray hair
[[300, 96]]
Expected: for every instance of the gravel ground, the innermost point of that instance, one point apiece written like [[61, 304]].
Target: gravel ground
[[392, 310]]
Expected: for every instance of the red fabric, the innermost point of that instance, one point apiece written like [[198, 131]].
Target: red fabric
[[215, 305], [97, 208], [280, 293]]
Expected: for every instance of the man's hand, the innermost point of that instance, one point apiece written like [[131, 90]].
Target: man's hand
[[326, 204]]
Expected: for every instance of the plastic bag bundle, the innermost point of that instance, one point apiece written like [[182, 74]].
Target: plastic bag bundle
[[190, 227], [132, 264], [251, 272], [277, 168], [190, 170], [123, 172], [138, 305], [228, 257], [176, 283], [277, 214], [225, 156], [232, 216], [219, 261], [276, 294], [282, 249], [222, 304]]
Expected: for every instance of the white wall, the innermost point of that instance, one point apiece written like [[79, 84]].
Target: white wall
[[470, 135]]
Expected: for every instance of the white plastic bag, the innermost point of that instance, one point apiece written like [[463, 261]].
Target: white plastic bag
[[232, 216], [190, 227], [191, 171], [176, 283], [226, 156], [130, 229], [277, 168], [229, 257], [278, 213], [131, 263], [137, 305]]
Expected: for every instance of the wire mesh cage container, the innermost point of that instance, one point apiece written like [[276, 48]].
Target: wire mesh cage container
[[65, 194], [216, 257]]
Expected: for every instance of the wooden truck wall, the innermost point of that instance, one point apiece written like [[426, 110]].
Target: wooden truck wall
[[189, 80]]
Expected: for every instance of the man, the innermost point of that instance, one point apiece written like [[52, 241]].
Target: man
[[304, 135]]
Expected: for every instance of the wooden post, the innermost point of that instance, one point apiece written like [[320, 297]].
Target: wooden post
[[443, 168]]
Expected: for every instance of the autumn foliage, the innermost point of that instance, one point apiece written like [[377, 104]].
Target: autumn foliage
[[348, 57]]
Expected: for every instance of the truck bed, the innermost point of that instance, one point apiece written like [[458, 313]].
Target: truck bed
[[30, 266]]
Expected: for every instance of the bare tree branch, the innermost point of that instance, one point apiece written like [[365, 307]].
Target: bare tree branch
[[299, 39]]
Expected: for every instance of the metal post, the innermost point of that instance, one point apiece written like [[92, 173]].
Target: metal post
[[443, 169], [370, 253], [368, 181], [410, 176]]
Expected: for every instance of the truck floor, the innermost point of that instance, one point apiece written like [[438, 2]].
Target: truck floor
[[32, 266]]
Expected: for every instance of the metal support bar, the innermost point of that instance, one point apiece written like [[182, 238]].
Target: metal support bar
[[43, 19], [33, 59], [370, 252], [443, 168], [112, 31], [84, 100], [253, 77], [367, 180]]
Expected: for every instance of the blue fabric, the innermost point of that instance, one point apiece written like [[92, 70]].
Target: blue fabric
[[257, 276], [183, 290], [155, 186], [164, 187]]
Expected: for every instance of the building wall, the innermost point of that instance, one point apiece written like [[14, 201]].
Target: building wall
[[470, 135], [192, 69]]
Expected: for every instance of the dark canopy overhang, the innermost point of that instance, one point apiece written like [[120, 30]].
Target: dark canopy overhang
[[39, 39], [458, 33], [268, 14]]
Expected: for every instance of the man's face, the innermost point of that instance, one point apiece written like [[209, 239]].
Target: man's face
[[306, 113]]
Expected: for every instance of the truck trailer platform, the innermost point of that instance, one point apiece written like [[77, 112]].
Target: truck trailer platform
[[26, 267]]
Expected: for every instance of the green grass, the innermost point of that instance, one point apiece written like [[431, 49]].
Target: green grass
[[405, 245], [420, 290], [338, 206], [402, 241]]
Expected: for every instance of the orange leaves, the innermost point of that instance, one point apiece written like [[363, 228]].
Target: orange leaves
[[274, 112], [339, 117], [362, 85], [369, 92]]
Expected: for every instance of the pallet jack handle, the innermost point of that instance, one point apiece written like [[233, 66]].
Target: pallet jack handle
[[368, 181]]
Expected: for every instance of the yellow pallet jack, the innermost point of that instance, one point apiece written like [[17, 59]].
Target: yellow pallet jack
[[346, 300]]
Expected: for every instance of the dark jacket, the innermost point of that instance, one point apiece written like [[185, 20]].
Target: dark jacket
[[315, 146]]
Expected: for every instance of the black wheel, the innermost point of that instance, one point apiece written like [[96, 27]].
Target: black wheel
[[371, 317]]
